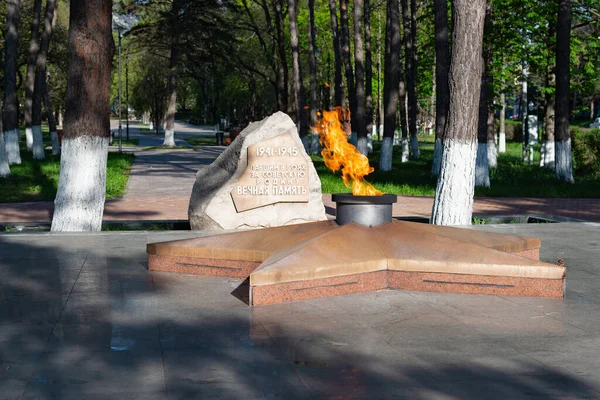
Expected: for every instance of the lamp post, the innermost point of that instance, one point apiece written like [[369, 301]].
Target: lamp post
[[127, 92], [122, 24], [120, 106]]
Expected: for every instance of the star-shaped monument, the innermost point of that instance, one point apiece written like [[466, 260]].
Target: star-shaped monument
[[321, 259]]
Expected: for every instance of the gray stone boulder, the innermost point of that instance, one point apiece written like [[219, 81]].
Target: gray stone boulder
[[212, 205]]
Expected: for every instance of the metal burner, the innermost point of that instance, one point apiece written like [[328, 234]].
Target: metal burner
[[363, 210]]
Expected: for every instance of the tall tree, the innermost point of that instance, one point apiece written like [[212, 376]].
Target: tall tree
[[312, 66], [411, 76], [297, 72], [4, 167], [442, 91], [282, 70], [562, 139], [34, 46], [453, 201], [404, 80], [172, 78], [548, 125], [502, 133], [368, 75], [391, 84], [79, 203], [51, 122], [345, 46], [40, 81], [11, 102], [482, 166], [339, 80], [359, 66]]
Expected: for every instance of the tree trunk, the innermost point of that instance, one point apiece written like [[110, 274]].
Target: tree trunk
[[345, 45], [502, 134], [368, 77], [492, 150], [524, 112], [79, 203], [172, 79], [34, 47], [410, 41], [482, 174], [453, 201], [298, 87], [11, 102], [482, 166], [549, 117], [562, 139], [40, 80], [4, 167], [312, 65], [391, 85], [283, 67], [442, 92], [51, 122], [359, 58], [339, 81]]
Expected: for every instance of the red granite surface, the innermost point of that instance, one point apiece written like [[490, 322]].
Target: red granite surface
[[201, 266], [533, 254], [317, 288], [476, 284]]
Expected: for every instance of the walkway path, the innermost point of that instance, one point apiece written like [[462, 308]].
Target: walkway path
[[161, 182]]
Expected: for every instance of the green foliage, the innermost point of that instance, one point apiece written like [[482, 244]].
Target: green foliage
[[512, 178], [36, 180], [586, 151]]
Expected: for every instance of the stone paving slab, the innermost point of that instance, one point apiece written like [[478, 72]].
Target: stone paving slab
[[82, 318]]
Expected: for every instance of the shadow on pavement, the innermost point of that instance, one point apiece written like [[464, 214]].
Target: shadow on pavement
[[84, 319]]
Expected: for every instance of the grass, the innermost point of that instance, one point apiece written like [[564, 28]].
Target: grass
[[512, 178], [126, 143], [202, 141], [37, 180]]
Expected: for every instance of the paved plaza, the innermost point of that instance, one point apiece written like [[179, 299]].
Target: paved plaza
[[82, 318]]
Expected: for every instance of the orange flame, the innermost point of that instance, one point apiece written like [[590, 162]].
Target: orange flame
[[338, 154]]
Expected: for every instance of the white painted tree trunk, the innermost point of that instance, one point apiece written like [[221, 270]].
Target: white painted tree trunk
[[370, 136], [502, 143], [385, 158], [437, 157], [169, 138], [29, 139], [548, 148], [362, 146], [415, 153], [492, 154], [453, 203], [563, 166], [79, 203], [11, 140], [4, 168], [55, 144], [482, 170], [405, 150], [38, 143]]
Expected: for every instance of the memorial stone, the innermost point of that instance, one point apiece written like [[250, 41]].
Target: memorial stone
[[263, 179]]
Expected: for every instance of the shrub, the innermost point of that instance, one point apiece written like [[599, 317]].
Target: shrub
[[514, 130], [586, 151]]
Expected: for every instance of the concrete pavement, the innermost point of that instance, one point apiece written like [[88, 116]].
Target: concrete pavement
[[82, 318]]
